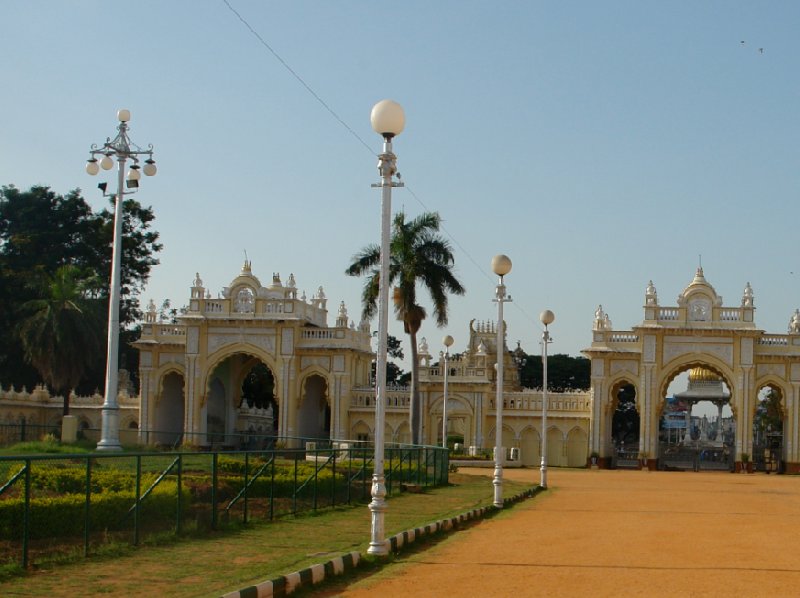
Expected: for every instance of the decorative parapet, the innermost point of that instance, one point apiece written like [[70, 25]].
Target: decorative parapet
[[559, 404], [40, 396], [398, 398], [334, 338]]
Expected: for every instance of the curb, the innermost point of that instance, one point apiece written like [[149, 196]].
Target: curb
[[286, 584]]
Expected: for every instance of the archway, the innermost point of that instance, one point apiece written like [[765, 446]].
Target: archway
[[241, 397], [170, 410], [530, 444], [768, 430], [314, 412], [697, 430], [625, 424], [555, 448], [577, 443]]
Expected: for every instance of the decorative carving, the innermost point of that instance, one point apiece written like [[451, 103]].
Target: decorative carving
[[747, 296], [598, 367], [338, 363], [650, 294], [722, 351], [245, 302], [649, 348], [747, 351], [774, 369], [193, 340], [323, 362], [165, 358], [627, 365], [287, 341]]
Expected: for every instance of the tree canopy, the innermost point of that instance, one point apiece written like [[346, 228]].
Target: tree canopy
[[42, 231], [417, 255]]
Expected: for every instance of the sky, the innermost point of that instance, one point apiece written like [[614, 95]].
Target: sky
[[597, 144]]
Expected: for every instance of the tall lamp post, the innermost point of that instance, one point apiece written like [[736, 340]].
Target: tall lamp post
[[501, 265], [547, 317], [387, 120], [122, 149], [448, 342]]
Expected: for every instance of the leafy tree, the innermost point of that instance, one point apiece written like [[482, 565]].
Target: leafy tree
[[60, 332], [563, 371], [41, 231], [417, 254], [394, 373]]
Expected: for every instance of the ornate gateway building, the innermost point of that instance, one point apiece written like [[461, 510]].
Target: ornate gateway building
[[732, 363], [260, 362], [201, 379]]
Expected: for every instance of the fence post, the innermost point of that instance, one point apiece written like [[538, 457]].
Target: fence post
[[26, 523], [294, 488], [180, 493], [136, 504], [246, 472], [214, 490], [316, 477], [333, 486], [272, 488], [86, 507]]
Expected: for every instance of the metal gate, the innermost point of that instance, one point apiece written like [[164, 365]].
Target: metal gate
[[679, 457], [767, 451]]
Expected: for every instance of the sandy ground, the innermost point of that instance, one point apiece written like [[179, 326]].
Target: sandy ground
[[618, 533]]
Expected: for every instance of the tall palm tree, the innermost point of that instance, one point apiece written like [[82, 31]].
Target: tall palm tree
[[61, 332], [417, 254]]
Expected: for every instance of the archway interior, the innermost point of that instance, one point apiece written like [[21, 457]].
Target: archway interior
[[241, 408], [314, 413], [768, 430], [170, 410], [625, 421], [697, 428], [258, 391]]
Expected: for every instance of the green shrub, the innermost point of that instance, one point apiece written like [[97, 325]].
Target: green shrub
[[64, 515]]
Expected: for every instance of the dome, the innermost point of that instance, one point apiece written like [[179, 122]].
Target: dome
[[701, 374]]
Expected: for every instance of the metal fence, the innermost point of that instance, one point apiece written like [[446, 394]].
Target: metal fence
[[57, 506]]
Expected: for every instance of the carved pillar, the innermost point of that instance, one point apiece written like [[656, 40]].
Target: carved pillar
[[145, 397], [189, 401]]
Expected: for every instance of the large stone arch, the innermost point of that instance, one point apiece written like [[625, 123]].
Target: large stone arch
[[169, 409], [314, 406], [577, 443], [674, 368], [530, 445], [460, 417], [226, 352]]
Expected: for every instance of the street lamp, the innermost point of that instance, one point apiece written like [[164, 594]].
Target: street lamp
[[546, 317], [387, 120], [448, 342], [501, 265], [123, 150]]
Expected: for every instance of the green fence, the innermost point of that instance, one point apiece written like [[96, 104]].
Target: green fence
[[56, 506]]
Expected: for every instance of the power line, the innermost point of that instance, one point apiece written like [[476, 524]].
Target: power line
[[330, 110]]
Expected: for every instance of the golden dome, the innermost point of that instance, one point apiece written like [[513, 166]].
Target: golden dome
[[701, 374]]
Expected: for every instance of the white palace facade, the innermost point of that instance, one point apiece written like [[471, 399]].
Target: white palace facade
[[193, 371]]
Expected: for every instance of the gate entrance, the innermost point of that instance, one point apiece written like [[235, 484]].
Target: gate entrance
[[698, 442], [768, 432]]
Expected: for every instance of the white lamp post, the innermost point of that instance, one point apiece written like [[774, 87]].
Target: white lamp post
[[388, 120], [123, 150], [501, 265], [546, 317], [448, 342]]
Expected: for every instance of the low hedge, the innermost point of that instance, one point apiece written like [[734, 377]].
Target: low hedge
[[64, 515]]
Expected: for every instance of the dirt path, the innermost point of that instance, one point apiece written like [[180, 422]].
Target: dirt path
[[619, 533]]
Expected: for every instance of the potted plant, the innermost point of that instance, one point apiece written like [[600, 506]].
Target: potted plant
[[593, 459], [746, 467]]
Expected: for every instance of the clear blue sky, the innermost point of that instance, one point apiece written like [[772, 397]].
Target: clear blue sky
[[598, 144]]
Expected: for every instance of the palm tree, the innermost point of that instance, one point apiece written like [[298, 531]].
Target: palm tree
[[61, 331], [417, 254]]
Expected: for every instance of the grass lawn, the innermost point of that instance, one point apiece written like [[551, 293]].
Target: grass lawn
[[227, 561]]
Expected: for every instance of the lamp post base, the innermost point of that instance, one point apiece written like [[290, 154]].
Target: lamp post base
[[109, 440], [497, 481], [378, 544]]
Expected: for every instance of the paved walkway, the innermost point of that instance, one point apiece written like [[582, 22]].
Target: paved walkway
[[618, 533]]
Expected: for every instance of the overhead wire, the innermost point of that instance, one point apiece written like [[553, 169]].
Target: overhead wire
[[352, 132]]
